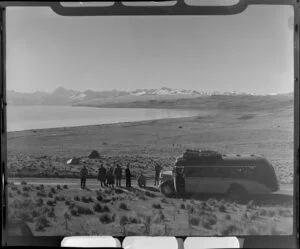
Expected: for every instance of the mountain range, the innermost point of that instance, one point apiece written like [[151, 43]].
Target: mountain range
[[62, 96]]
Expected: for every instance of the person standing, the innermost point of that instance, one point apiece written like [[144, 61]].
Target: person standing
[[118, 175], [142, 181], [83, 176], [128, 176], [110, 178], [102, 175], [157, 169]]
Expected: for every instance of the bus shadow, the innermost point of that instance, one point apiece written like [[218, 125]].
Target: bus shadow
[[266, 199]]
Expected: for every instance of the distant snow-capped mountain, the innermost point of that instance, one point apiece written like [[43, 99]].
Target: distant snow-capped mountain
[[63, 96], [165, 91]]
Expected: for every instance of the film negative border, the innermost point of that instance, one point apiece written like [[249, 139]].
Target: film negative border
[[118, 9]]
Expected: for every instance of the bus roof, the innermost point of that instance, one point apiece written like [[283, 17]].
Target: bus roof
[[225, 160]]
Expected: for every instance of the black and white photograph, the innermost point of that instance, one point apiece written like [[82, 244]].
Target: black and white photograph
[[150, 125]]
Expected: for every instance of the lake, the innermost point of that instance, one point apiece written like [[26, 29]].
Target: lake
[[42, 117]]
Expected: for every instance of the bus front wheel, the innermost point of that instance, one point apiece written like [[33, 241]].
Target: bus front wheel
[[237, 192], [167, 189]]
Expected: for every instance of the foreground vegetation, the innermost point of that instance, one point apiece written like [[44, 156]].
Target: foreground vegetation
[[66, 210]]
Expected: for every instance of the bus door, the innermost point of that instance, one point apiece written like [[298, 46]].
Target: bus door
[[179, 179]]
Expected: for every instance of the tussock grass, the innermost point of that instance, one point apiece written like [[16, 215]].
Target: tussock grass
[[35, 213], [41, 193], [106, 219], [106, 209], [41, 223], [195, 221], [123, 206], [59, 198], [67, 216], [98, 208], [50, 203], [53, 190], [222, 208], [26, 188], [149, 194], [51, 213], [119, 191], [85, 199], [156, 206]]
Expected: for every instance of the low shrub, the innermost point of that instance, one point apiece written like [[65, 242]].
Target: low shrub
[[156, 206], [23, 182], [68, 202], [227, 217], [76, 198], [182, 206], [106, 209], [51, 213], [119, 191], [59, 198], [26, 188], [85, 199], [67, 216], [58, 187], [123, 206], [222, 208], [65, 186], [98, 208], [50, 203], [99, 198], [74, 212], [84, 210], [41, 194], [35, 213], [41, 223], [195, 221], [105, 219], [149, 194], [53, 190]]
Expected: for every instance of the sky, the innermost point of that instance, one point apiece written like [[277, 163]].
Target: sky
[[248, 52]]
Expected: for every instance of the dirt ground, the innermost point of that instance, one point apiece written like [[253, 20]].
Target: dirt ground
[[44, 153], [68, 210]]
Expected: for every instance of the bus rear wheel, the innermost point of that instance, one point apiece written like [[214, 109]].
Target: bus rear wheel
[[167, 189], [237, 192]]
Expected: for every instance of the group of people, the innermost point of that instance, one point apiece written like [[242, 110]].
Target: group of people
[[113, 176]]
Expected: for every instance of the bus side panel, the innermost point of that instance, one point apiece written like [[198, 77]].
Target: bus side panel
[[209, 185], [214, 185]]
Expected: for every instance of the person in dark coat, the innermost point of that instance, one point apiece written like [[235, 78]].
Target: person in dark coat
[[110, 178], [142, 181], [118, 175], [83, 176], [157, 169], [128, 176], [102, 175]]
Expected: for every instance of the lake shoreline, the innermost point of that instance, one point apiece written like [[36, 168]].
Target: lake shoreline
[[49, 117]]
